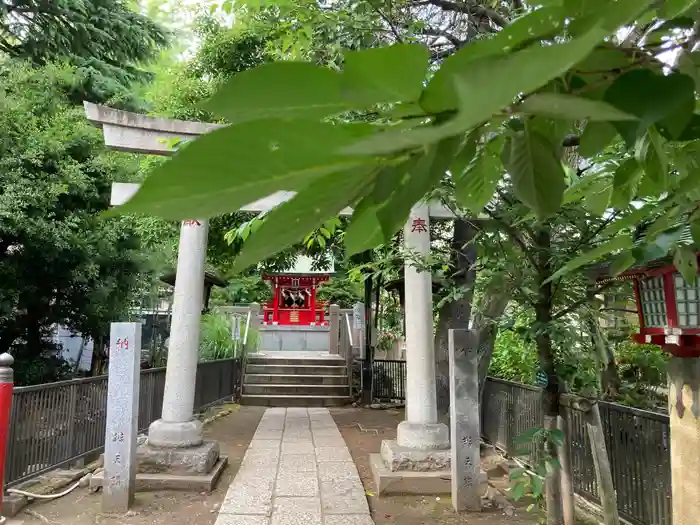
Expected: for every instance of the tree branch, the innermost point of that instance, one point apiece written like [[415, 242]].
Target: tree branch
[[470, 9], [575, 306]]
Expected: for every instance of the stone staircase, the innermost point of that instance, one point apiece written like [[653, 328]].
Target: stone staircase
[[290, 381]]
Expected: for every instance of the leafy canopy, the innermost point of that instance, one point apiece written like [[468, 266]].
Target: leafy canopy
[[497, 110]]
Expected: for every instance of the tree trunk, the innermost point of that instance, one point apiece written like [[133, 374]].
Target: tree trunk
[[455, 314], [550, 395], [491, 306], [601, 463]]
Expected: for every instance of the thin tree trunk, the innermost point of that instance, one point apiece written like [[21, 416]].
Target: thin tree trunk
[[603, 473], [455, 314], [567, 486], [550, 394]]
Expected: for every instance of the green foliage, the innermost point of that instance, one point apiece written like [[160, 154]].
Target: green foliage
[[59, 262], [242, 290], [216, 341], [514, 358], [104, 40], [344, 292], [529, 85], [530, 481], [643, 366]]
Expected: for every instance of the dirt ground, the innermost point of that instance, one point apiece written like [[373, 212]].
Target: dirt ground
[[364, 430], [233, 433]]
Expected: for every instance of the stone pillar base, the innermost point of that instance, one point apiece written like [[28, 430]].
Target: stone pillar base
[[175, 468], [191, 460], [404, 470]]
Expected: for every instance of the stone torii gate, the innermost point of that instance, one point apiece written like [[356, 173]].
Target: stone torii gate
[[419, 434]]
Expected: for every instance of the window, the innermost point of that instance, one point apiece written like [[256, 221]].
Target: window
[[687, 302], [653, 301]]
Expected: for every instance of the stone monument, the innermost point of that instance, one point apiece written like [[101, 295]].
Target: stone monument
[[122, 417], [465, 433]]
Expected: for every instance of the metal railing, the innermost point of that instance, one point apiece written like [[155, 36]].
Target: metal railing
[[55, 424], [637, 442], [388, 379]]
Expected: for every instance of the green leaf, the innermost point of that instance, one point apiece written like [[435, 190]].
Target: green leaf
[[364, 231], [466, 154], [556, 436], [695, 231], [595, 137], [518, 491], [686, 263], [651, 155], [537, 174], [536, 486], [621, 263], [385, 74], [672, 8], [209, 177], [597, 199], [628, 221], [625, 182], [572, 107], [516, 473], [622, 242], [291, 220], [441, 96], [485, 87], [652, 97], [527, 436], [428, 170], [279, 90], [476, 186]]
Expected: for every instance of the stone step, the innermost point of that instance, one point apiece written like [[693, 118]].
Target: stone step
[[319, 370], [297, 389], [287, 360], [258, 379], [294, 400]]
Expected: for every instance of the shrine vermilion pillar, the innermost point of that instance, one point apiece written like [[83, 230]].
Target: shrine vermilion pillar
[[684, 413]]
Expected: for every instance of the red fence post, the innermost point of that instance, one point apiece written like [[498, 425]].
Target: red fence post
[[6, 382]]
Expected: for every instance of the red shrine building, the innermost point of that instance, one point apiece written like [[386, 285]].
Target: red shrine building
[[668, 307], [294, 301]]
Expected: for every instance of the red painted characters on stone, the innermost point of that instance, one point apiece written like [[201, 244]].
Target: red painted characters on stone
[[418, 225], [122, 344], [192, 222]]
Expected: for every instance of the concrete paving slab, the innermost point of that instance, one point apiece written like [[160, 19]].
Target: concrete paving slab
[[298, 463], [346, 519], [299, 484], [240, 519], [332, 454], [296, 471]]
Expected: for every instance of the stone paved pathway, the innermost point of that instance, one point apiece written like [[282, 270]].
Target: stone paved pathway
[[297, 471]]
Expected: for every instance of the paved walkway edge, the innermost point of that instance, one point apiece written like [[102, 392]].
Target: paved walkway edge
[[296, 471]]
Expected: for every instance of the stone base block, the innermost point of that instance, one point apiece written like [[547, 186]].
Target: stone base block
[[424, 483], [398, 458], [166, 481], [192, 460]]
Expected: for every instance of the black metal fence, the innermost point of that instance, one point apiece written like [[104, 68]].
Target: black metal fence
[[637, 442], [388, 379], [55, 424]]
